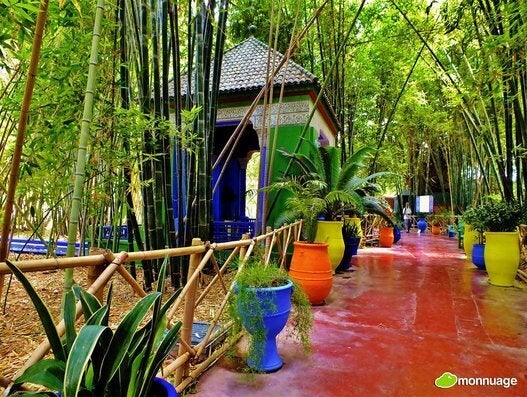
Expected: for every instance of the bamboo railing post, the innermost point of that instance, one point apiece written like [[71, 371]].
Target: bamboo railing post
[[268, 243], [243, 249], [92, 274], [188, 313]]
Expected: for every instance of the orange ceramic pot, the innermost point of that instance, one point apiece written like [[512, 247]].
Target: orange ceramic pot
[[311, 269], [436, 230], [386, 236]]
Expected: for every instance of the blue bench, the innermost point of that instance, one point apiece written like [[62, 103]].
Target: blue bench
[[37, 247]]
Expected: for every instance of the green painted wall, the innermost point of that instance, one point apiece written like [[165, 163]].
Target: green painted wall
[[288, 137]]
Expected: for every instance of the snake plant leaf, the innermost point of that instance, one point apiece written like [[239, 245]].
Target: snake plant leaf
[[90, 304], [124, 334], [48, 373], [168, 343], [80, 356], [100, 317], [69, 319], [43, 313]]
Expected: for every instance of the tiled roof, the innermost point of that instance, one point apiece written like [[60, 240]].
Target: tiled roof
[[244, 68]]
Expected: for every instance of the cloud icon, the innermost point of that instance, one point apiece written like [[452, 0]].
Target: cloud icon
[[446, 380]]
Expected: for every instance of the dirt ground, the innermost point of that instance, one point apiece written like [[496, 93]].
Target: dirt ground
[[20, 329]]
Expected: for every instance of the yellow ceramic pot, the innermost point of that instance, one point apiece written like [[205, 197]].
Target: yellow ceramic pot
[[470, 237], [502, 257], [330, 232]]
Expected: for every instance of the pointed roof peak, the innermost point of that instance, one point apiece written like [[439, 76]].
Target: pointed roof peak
[[244, 68]]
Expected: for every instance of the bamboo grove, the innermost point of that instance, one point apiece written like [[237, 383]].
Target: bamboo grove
[[438, 88]]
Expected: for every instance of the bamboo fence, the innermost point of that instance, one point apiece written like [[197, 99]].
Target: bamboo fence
[[190, 361]]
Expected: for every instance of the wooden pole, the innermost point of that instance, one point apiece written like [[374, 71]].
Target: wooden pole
[[20, 137], [188, 316], [92, 274]]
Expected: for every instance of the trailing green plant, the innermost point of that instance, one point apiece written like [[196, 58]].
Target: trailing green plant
[[99, 361], [246, 299]]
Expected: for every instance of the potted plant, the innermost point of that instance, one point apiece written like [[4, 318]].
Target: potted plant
[[352, 237], [476, 217], [435, 223], [310, 266], [99, 361], [502, 248], [386, 234], [263, 300], [340, 187]]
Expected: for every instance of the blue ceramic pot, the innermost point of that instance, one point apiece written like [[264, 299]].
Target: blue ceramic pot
[[421, 225], [396, 234], [351, 245], [160, 388], [275, 306], [478, 256]]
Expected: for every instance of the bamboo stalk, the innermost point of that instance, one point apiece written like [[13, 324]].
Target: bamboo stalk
[[35, 265], [188, 316], [178, 362], [162, 253], [80, 167], [22, 124], [130, 280]]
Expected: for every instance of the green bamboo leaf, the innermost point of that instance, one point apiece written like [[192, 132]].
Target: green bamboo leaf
[[80, 356], [43, 313], [48, 373], [124, 334]]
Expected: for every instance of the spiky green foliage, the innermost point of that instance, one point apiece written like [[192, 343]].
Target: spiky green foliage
[[325, 188], [98, 361]]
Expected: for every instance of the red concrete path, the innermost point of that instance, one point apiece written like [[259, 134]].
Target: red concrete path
[[403, 318]]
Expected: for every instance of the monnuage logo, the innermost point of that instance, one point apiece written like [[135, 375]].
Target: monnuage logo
[[448, 379]]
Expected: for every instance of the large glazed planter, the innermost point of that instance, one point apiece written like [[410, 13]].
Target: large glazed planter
[[386, 236], [330, 232], [160, 388], [502, 257], [470, 237], [478, 256], [421, 225], [396, 234], [311, 269], [436, 230], [274, 308], [351, 245]]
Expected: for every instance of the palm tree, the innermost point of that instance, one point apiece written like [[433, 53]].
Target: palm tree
[[341, 187]]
